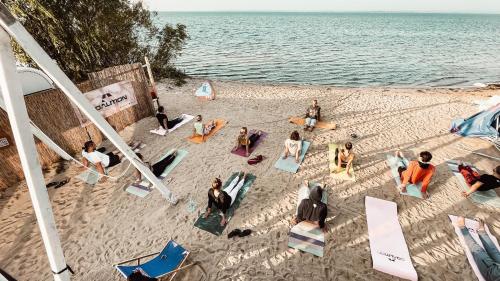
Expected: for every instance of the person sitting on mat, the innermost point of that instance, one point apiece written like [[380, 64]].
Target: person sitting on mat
[[247, 141], [312, 116], [311, 208], [344, 156], [223, 199], [201, 129], [479, 182], [293, 146], [488, 258], [157, 168], [163, 119], [100, 160], [418, 171]]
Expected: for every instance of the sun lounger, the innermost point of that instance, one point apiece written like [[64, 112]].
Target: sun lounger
[[387, 243], [289, 164], [342, 175], [167, 262], [472, 224], [212, 223], [489, 197], [241, 151], [412, 189], [198, 139], [185, 119], [320, 124]]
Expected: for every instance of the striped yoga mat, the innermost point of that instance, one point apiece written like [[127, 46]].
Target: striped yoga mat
[[307, 237]]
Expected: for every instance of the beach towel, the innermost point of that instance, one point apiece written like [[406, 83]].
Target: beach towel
[[387, 243], [241, 151], [212, 223], [205, 90], [320, 124], [412, 189], [289, 164], [141, 189], [305, 236], [472, 225], [333, 165], [198, 139], [489, 197], [185, 119]]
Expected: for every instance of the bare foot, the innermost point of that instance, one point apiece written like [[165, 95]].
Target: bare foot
[[223, 222], [460, 222], [399, 154], [481, 224]]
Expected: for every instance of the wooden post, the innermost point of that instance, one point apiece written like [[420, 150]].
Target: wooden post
[[152, 80]]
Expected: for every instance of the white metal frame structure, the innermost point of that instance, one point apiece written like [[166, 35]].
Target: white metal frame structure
[[20, 123]]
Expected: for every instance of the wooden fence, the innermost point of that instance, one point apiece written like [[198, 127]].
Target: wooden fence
[[53, 113]]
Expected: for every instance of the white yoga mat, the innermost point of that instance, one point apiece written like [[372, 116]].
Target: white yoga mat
[[141, 189], [387, 243], [472, 225], [185, 119]]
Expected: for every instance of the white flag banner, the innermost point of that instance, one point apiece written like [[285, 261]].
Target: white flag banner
[[109, 100]]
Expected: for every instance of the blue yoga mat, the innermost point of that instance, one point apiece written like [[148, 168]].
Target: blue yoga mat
[[412, 189], [289, 164]]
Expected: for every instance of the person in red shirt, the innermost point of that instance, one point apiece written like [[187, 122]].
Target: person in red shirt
[[418, 171]]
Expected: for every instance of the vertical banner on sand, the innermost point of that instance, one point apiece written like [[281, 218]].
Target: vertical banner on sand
[[4, 140], [109, 100]]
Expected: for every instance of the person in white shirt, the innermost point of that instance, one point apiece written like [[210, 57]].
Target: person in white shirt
[[100, 160], [293, 146]]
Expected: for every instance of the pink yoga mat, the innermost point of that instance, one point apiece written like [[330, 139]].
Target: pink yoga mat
[[242, 151]]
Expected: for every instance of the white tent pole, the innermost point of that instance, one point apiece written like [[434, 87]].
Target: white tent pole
[[28, 43], [19, 121], [152, 79]]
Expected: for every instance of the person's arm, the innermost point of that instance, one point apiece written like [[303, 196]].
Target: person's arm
[[427, 180], [299, 217], [319, 113], [472, 189], [209, 207], [85, 162], [247, 141], [100, 168], [322, 217], [299, 152], [165, 123]]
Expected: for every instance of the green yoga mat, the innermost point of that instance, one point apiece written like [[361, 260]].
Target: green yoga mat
[[181, 154], [212, 223]]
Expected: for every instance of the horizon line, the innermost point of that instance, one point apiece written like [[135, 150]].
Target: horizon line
[[332, 11]]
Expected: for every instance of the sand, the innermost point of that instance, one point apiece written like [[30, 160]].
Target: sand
[[101, 225]]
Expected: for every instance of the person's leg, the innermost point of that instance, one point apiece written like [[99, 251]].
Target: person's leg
[[481, 257], [159, 167], [113, 160], [173, 123], [233, 183], [489, 246], [234, 192], [253, 139], [312, 122], [307, 122]]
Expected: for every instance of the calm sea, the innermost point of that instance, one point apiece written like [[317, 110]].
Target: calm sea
[[342, 49]]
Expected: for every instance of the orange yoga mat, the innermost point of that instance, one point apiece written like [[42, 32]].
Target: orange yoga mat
[[219, 124], [320, 124]]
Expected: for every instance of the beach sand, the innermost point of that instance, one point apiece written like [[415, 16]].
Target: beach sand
[[101, 225]]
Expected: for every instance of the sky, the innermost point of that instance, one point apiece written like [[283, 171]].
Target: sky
[[451, 6]]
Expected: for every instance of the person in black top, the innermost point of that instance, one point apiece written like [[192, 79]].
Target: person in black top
[[163, 119], [484, 182], [223, 199], [157, 168], [312, 209]]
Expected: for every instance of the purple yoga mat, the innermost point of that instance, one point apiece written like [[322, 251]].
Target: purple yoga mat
[[241, 151]]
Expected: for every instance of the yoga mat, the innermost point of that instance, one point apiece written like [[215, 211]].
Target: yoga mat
[[472, 225], [307, 237], [141, 189], [89, 176], [242, 151], [333, 166], [212, 223], [320, 124], [181, 154], [219, 124], [489, 197], [387, 243], [289, 164], [185, 119], [412, 189]]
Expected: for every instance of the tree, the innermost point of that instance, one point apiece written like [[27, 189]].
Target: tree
[[88, 35]]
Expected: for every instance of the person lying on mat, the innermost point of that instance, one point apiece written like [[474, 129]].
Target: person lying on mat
[[311, 209], [201, 129], [223, 199], [247, 141], [157, 168], [163, 119], [312, 116], [100, 160], [488, 258], [293, 146], [477, 182], [418, 171], [344, 156]]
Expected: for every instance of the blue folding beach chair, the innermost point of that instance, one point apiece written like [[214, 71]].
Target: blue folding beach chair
[[169, 261]]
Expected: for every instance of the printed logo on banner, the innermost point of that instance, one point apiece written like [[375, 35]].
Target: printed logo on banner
[[391, 257], [4, 142]]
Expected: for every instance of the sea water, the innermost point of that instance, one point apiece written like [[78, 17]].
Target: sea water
[[342, 49]]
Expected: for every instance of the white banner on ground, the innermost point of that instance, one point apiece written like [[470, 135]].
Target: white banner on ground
[[109, 100], [387, 243]]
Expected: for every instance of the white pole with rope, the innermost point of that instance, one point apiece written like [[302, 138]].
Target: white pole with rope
[[35, 51], [19, 120]]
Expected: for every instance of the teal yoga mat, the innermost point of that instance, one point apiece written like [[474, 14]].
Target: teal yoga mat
[[181, 154], [89, 176], [289, 164], [489, 197], [412, 189], [212, 223]]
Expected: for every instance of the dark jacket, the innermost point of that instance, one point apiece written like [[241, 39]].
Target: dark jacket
[[313, 209]]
